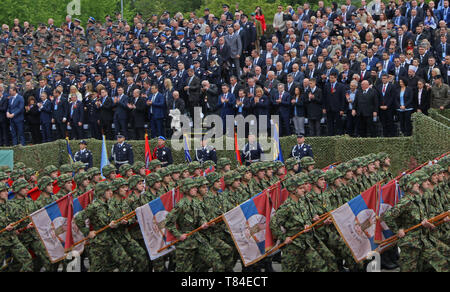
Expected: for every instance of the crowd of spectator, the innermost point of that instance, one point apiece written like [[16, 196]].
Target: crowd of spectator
[[336, 70]]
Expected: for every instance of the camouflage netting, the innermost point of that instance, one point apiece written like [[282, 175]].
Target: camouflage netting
[[440, 116], [430, 139]]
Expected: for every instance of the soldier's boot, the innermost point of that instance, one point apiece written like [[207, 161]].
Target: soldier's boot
[[268, 265], [386, 261]]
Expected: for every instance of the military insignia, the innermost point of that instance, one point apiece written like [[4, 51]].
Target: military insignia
[[124, 149]]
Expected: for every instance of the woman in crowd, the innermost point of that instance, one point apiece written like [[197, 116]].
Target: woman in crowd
[[33, 116], [404, 106], [298, 111], [422, 97], [430, 20]]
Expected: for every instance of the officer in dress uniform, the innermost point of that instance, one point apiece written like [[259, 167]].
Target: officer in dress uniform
[[301, 149], [206, 152], [84, 155], [163, 153], [252, 151], [121, 152]]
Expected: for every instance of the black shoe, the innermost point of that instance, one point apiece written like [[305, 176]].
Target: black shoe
[[387, 264], [268, 267]]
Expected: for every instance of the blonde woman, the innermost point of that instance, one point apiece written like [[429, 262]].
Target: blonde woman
[[74, 90]]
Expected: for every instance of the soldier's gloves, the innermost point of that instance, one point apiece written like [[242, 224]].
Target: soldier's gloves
[[447, 219], [307, 228], [205, 226], [316, 217], [427, 224], [124, 222], [92, 234], [30, 225], [401, 233], [288, 240], [113, 225], [183, 237], [328, 221], [11, 227]]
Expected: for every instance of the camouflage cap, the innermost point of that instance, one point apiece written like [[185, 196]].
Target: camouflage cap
[[257, 166], [371, 158], [19, 184], [194, 165], [63, 179], [242, 169], [351, 165], [164, 171], [231, 176], [66, 168], [444, 161], [268, 164], [5, 168], [137, 166], [342, 167], [152, 178], [213, 177], [108, 169], [222, 162], [332, 175], [208, 163], [3, 176], [360, 162], [117, 183], [3, 187], [201, 181], [76, 166], [29, 172], [134, 181], [315, 175], [154, 163], [182, 167], [420, 176], [43, 182], [49, 169], [382, 156], [80, 177], [19, 165], [307, 161], [291, 183], [278, 164], [187, 184], [16, 173], [124, 168], [303, 178], [93, 171], [290, 163], [101, 188], [438, 168]]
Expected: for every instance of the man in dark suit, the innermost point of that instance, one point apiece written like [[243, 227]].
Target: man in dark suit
[[4, 103], [210, 95], [192, 90], [402, 39], [60, 114], [43, 87], [334, 105], [138, 107], [366, 106], [46, 109], [226, 104], [105, 105], [291, 84], [283, 99], [413, 20], [386, 97], [398, 70], [76, 115], [120, 104], [442, 49], [156, 112]]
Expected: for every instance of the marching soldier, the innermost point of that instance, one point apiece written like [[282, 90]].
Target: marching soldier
[[301, 149], [121, 152], [252, 151], [84, 155], [65, 184], [162, 152], [206, 152], [45, 185]]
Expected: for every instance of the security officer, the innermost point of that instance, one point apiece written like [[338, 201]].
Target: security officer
[[163, 153], [121, 152], [301, 149], [84, 155], [252, 151], [207, 152]]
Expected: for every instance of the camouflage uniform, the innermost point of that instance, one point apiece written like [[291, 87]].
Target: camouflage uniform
[[43, 201], [62, 180]]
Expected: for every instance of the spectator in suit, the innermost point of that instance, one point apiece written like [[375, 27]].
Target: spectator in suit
[[235, 44], [413, 20], [334, 105], [105, 106], [422, 97], [4, 103], [15, 114], [386, 93], [442, 49], [43, 87], [76, 115], [60, 113], [120, 104], [209, 96], [226, 104], [157, 111], [192, 90], [283, 99], [313, 100], [138, 108], [366, 106], [271, 85], [32, 116], [261, 106], [46, 109], [404, 106]]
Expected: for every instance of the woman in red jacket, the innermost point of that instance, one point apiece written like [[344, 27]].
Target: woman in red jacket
[[260, 17]]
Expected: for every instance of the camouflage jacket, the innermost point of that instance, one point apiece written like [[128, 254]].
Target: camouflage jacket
[[119, 208], [334, 198], [21, 208], [7, 237], [42, 201]]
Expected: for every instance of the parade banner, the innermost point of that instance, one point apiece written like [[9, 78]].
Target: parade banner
[[356, 222], [249, 228], [54, 225], [389, 197], [151, 218]]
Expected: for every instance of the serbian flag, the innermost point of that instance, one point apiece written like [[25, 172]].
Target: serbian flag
[[389, 197], [148, 152], [222, 183], [249, 226], [151, 218], [277, 197], [356, 221], [56, 231], [34, 193], [236, 149], [56, 188]]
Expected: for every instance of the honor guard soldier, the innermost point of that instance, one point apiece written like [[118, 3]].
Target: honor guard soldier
[[252, 151], [121, 152], [84, 155], [207, 152], [163, 153], [301, 149]]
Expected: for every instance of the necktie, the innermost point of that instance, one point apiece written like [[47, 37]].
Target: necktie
[[384, 89]]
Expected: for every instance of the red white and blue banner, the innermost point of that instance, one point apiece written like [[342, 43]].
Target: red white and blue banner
[[152, 217], [356, 221], [54, 225], [249, 227], [389, 197]]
